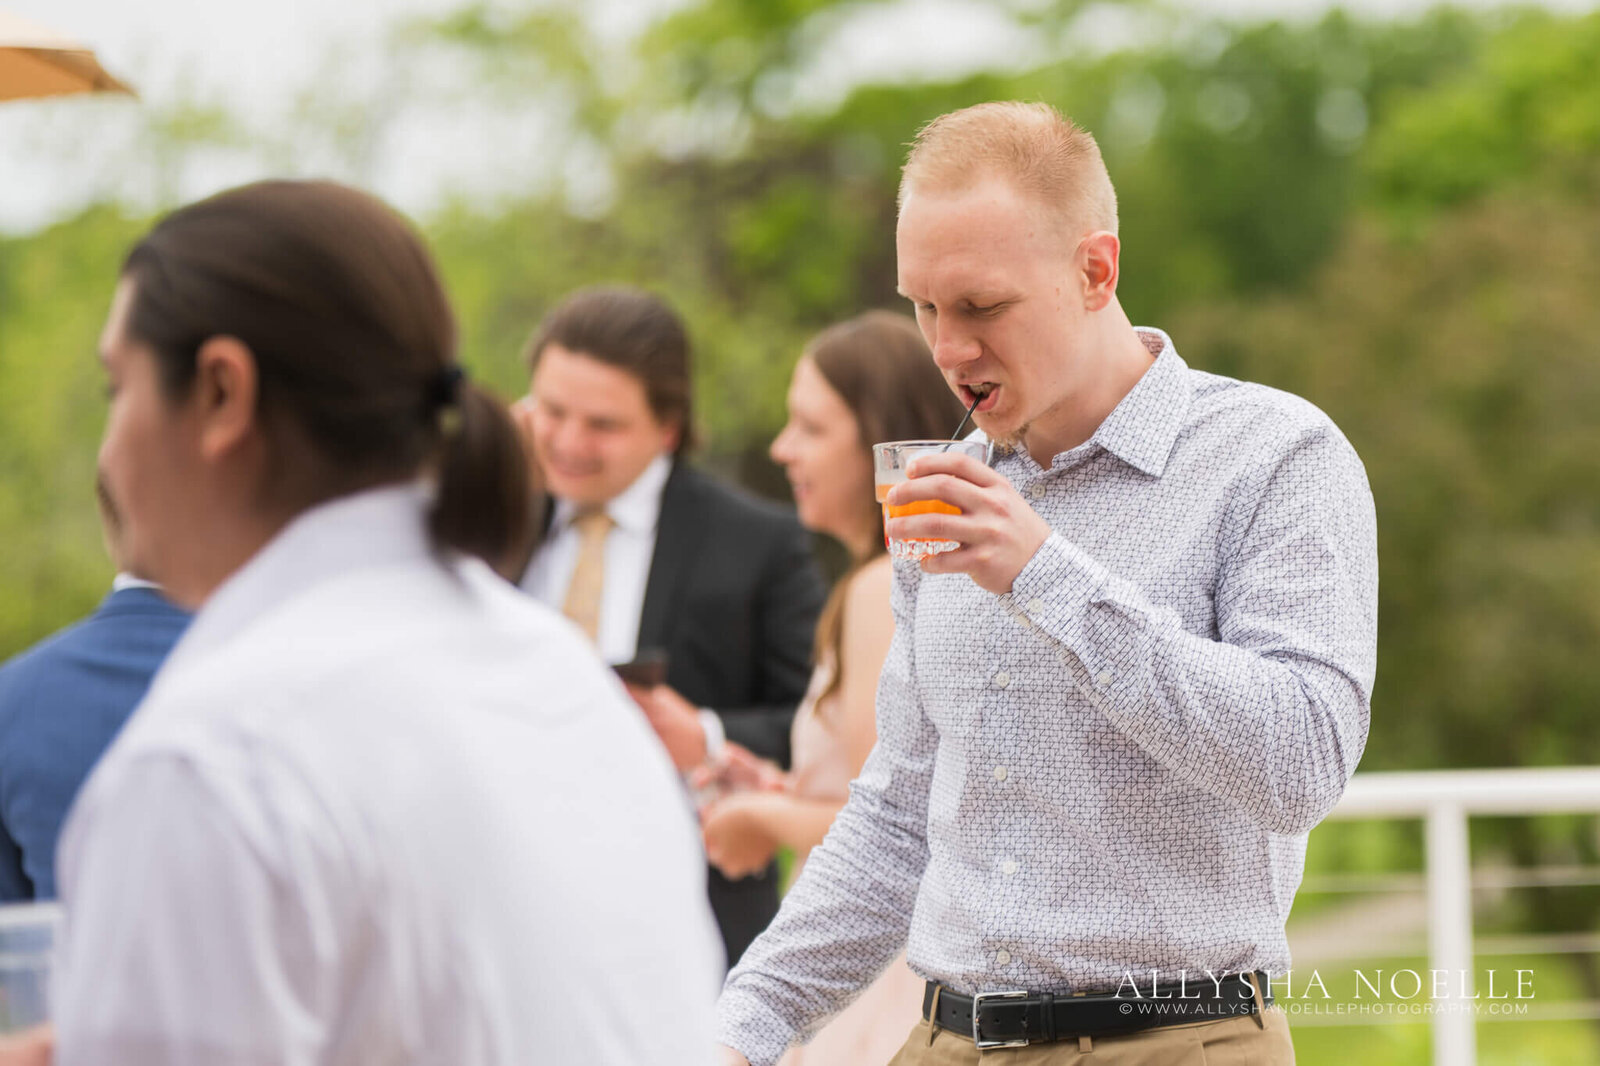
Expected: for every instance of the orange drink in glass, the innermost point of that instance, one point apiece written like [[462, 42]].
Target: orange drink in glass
[[889, 469]]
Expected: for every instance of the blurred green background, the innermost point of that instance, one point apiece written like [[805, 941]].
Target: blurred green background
[[1399, 220]]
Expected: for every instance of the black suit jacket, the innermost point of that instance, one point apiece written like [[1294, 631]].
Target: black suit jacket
[[732, 598]]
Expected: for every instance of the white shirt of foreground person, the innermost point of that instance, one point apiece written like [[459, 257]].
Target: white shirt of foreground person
[[380, 807]]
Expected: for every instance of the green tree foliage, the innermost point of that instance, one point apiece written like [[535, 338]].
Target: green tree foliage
[[54, 291], [1463, 369], [1526, 109], [1258, 167], [1462, 365], [1236, 155]]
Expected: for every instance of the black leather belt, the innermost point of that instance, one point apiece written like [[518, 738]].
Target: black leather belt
[[1015, 1019]]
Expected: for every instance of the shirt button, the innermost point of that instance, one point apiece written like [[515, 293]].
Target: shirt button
[[1002, 957], [1002, 679], [1000, 773], [1008, 867], [1035, 605], [1103, 678], [1037, 490]]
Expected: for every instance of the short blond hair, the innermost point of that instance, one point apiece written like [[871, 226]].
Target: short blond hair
[[1033, 146]]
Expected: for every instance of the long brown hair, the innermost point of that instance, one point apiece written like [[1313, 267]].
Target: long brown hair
[[355, 349], [880, 366]]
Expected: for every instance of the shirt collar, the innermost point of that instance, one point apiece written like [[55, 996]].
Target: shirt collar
[[1142, 428], [377, 527], [125, 580], [636, 508]]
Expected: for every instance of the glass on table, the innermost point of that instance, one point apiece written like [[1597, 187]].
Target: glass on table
[[889, 462]]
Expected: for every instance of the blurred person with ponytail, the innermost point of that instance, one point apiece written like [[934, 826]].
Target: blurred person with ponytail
[[862, 381], [348, 825]]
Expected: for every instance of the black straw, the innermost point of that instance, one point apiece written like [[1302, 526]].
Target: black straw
[[976, 400]]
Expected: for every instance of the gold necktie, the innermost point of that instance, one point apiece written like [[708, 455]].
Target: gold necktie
[[582, 604]]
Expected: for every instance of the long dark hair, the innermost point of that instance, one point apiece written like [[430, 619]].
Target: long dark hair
[[880, 366], [355, 349]]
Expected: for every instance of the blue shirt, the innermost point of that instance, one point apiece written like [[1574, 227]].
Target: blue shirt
[[61, 704]]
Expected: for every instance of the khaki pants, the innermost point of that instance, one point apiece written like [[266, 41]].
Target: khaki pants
[[1247, 1040]]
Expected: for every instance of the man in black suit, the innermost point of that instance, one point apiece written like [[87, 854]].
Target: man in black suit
[[652, 557]]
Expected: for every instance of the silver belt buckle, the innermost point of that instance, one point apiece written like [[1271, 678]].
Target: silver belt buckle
[[977, 1007]]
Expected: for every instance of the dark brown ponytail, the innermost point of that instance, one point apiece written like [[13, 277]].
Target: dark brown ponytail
[[340, 304], [484, 500]]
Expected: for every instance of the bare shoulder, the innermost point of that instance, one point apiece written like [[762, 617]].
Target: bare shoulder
[[869, 588], [868, 618]]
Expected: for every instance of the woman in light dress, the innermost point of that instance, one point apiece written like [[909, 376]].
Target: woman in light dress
[[865, 380]]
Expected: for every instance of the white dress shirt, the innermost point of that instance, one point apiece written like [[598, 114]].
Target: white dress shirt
[[629, 548], [381, 808], [1111, 769]]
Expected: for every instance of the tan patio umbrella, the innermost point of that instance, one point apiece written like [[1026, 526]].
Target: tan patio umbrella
[[35, 61]]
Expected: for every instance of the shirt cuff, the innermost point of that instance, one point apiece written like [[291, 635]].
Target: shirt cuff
[[747, 1026], [716, 736], [1055, 588], [1056, 592]]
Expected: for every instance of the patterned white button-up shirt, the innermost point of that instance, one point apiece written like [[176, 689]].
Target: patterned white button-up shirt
[[1110, 770]]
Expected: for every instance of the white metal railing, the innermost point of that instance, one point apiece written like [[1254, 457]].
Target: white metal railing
[[1444, 800]]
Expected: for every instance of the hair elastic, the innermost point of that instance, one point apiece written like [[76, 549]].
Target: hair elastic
[[444, 388]]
